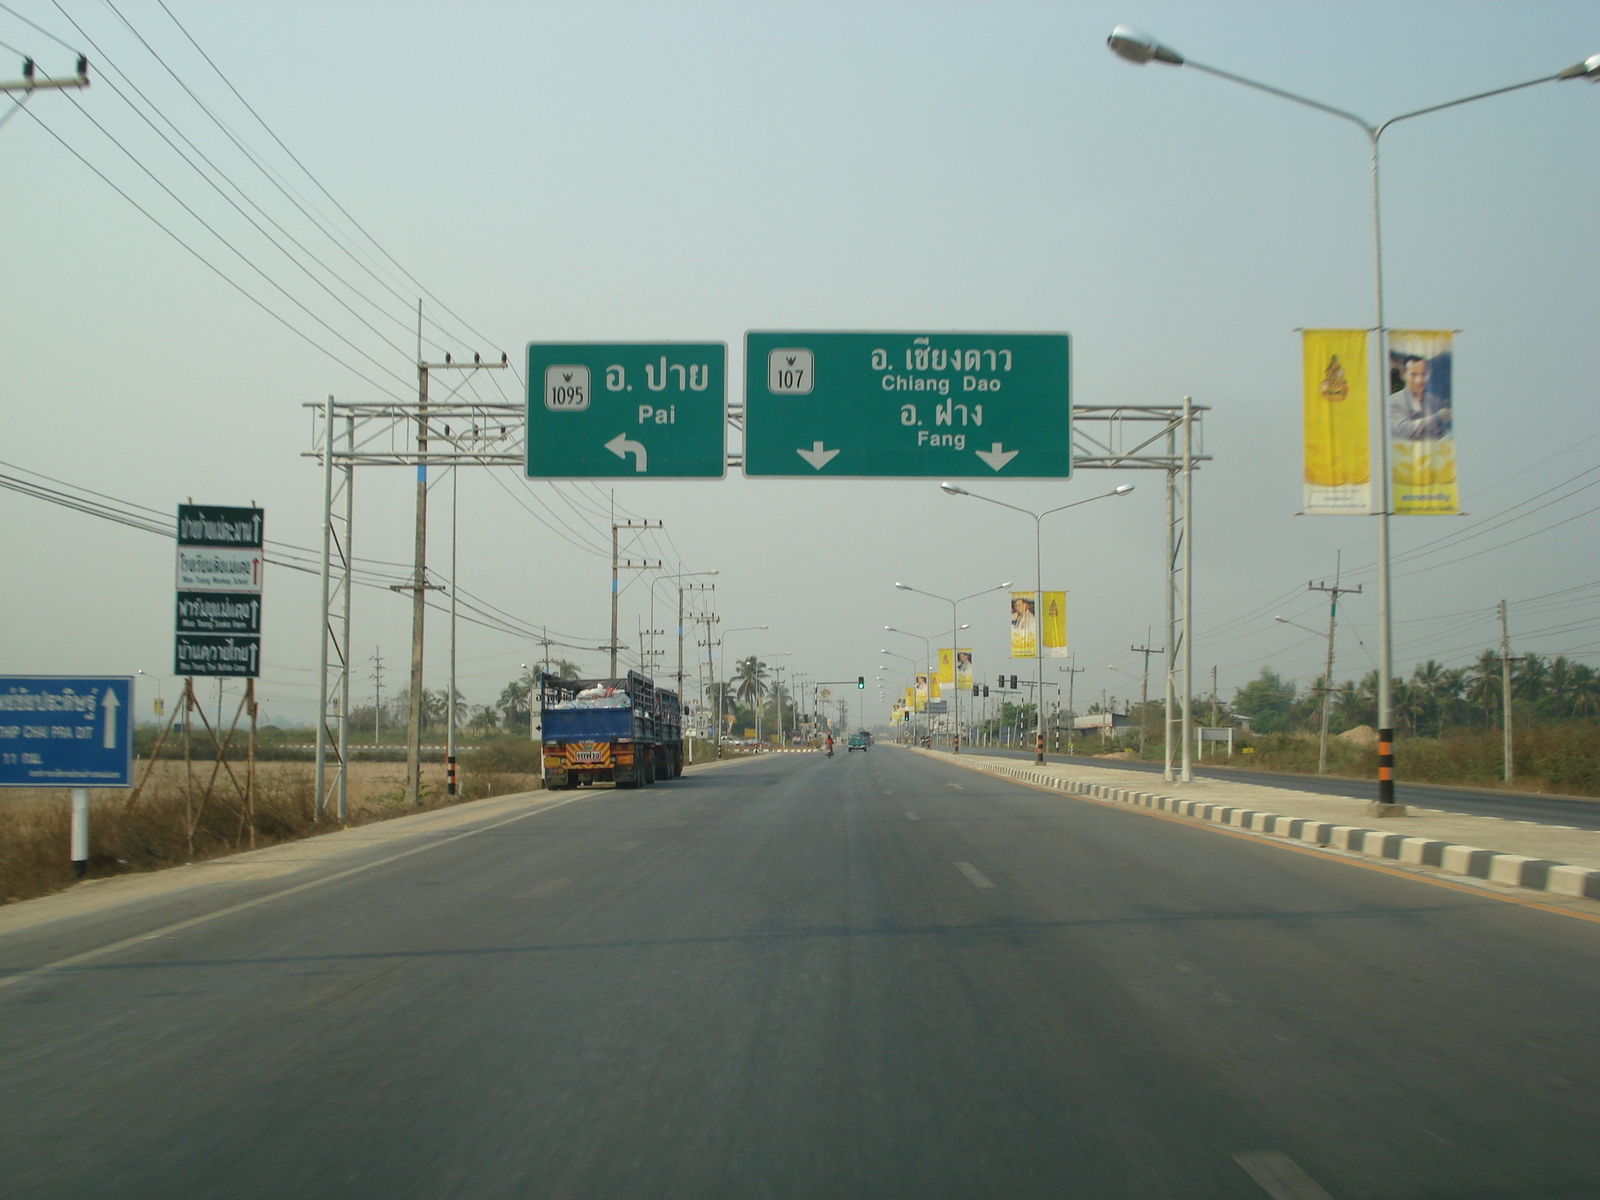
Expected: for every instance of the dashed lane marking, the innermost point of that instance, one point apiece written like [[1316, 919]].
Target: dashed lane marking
[[974, 876], [1279, 1176], [911, 816]]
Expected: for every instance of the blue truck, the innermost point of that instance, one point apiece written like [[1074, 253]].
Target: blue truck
[[626, 732]]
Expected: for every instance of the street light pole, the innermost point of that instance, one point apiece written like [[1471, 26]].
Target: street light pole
[[1038, 593], [1140, 49], [955, 675]]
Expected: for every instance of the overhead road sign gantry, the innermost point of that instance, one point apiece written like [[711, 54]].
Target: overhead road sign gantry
[[908, 405], [66, 731], [627, 410]]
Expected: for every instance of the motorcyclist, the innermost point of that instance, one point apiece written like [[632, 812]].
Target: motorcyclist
[[830, 745]]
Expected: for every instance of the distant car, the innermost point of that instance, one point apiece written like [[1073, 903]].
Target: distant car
[[858, 741]]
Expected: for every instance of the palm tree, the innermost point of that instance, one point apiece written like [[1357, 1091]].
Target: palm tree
[[1452, 685], [1560, 685], [1427, 686], [750, 679], [1531, 679], [1585, 690], [513, 703], [1483, 685]]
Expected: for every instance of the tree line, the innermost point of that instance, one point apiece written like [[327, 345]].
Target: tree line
[[1433, 702]]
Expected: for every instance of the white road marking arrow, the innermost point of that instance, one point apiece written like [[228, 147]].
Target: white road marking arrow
[[996, 456], [110, 704], [817, 456], [622, 447]]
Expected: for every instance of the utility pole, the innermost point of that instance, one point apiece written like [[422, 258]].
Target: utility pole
[[682, 588], [1072, 674], [1334, 593], [1505, 689], [377, 702], [1214, 699], [419, 585], [628, 564], [1144, 687], [536, 694]]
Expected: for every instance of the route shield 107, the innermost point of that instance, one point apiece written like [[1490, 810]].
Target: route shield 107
[[630, 410], [908, 405]]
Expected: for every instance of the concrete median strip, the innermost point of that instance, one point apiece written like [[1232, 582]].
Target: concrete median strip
[[1453, 858]]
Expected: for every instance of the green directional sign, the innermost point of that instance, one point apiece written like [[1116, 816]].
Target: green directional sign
[[629, 410], [908, 405]]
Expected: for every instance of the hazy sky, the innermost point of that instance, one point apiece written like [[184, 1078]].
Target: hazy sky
[[677, 171]]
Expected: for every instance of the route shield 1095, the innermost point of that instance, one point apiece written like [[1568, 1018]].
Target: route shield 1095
[[630, 410]]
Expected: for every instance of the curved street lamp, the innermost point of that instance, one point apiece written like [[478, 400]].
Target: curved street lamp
[[1139, 49], [955, 676], [1038, 592]]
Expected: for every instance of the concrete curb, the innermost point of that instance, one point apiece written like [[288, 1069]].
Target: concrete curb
[[1514, 870]]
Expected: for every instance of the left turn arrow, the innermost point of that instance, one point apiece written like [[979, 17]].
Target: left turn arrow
[[621, 446]]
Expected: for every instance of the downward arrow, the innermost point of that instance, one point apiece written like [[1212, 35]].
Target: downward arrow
[[996, 456], [622, 447], [110, 703], [817, 456]]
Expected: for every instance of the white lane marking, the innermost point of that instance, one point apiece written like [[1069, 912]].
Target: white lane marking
[[168, 930], [974, 876], [958, 787], [911, 816], [1279, 1177]]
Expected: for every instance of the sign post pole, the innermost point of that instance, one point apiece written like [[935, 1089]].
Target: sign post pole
[[80, 832]]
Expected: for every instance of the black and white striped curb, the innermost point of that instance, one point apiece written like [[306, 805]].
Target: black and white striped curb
[[1514, 870]]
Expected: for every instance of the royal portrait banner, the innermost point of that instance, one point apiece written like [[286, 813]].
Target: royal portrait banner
[[1420, 418]]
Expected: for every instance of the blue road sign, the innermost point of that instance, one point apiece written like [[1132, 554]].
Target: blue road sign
[[66, 731]]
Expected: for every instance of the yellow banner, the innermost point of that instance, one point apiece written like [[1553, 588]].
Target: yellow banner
[[1338, 471], [921, 689], [963, 667], [1024, 625], [911, 698], [947, 671], [1055, 624], [933, 687], [1422, 444]]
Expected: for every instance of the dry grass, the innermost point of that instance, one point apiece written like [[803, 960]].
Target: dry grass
[[35, 824]]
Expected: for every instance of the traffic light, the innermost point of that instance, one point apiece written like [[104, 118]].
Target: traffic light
[[861, 681], [986, 691], [974, 689], [1013, 683], [1002, 684]]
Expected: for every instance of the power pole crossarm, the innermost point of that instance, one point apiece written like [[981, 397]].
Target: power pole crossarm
[[32, 82]]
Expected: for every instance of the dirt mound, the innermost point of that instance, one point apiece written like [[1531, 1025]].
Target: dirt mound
[[1364, 736]]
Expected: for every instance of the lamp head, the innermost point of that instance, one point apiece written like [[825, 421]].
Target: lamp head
[[953, 489], [1003, 586], [1122, 489], [1285, 620], [1139, 48], [713, 571], [904, 587], [1588, 69]]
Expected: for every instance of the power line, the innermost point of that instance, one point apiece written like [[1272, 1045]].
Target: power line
[[210, 266], [317, 182]]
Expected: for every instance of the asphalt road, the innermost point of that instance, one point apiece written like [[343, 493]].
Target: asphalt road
[[875, 976], [1515, 806]]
